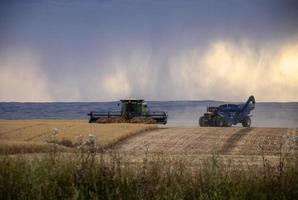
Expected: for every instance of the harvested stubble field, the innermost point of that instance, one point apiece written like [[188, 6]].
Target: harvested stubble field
[[136, 140], [242, 145], [29, 136]]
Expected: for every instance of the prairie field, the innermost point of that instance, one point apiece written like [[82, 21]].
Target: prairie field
[[89, 175], [135, 161]]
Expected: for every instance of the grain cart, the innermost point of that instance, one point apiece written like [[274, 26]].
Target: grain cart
[[229, 114], [132, 111]]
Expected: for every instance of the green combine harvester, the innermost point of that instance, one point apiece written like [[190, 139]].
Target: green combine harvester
[[132, 111]]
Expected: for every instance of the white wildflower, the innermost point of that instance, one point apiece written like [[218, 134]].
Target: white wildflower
[[285, 136], [55, 131], [91, 140]]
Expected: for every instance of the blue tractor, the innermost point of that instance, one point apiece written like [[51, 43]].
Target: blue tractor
[[227, 115]]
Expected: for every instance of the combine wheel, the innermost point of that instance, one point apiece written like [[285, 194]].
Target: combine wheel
[[202, 122], [246, 122], [219, 121]]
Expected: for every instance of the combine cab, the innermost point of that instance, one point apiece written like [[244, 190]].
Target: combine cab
[[132, 110], [229, 114]]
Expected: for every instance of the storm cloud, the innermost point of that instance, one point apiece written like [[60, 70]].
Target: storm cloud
[[157, 50]]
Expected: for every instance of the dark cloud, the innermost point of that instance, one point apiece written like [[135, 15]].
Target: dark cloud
[[148, 45]]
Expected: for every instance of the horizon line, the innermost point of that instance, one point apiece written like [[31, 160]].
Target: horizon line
[[110, 101]]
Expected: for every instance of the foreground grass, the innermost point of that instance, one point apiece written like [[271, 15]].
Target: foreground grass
[[87, 176], [35, 136]]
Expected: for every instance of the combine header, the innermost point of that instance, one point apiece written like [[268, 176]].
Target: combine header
[[229, 114], [132, 110]]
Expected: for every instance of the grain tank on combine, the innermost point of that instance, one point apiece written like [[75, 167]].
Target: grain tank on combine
[[132, 111], [228, 114]]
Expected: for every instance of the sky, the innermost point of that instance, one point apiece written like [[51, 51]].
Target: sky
[[105, 50]]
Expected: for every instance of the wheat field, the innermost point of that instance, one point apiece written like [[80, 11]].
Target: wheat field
[[37, 135]]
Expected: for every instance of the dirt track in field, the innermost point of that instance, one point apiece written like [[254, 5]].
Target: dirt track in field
[[234, 141]]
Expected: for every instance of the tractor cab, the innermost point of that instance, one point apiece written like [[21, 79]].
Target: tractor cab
[[133, 107]]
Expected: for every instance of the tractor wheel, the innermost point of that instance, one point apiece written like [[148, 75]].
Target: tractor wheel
[[202, 122], [246, 122], [220, 121], [227, 123], [213, 121]]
